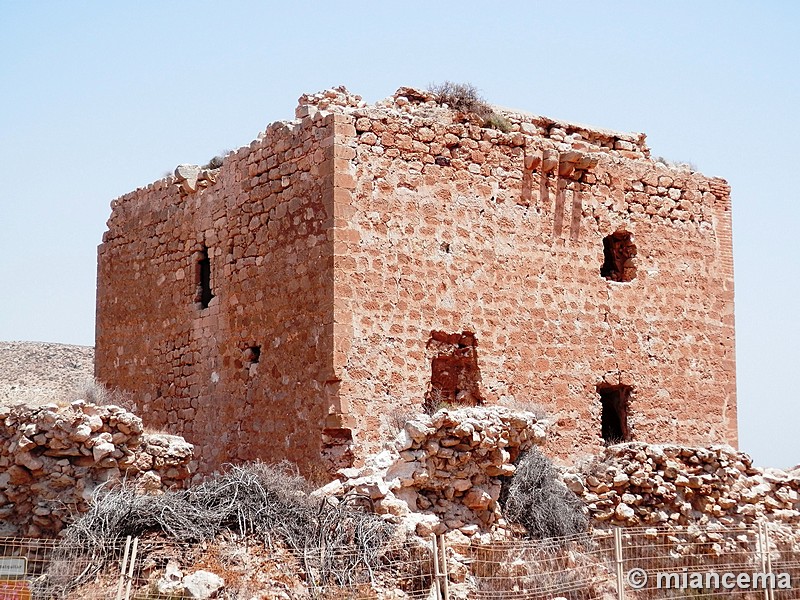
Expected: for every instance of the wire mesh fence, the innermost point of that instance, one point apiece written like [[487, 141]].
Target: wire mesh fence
[[643, 564], [688, 563], [150, 569], [635, 563], [577, 567]]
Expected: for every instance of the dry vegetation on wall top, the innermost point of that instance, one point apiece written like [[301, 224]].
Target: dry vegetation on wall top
[[42, 372], [464, 98]]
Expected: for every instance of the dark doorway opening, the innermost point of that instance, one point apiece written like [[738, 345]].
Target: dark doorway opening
[[204, 293], [614, 416]]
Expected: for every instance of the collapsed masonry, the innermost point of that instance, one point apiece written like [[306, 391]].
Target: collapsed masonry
[[636, 484], [279, 305], [440, 474], [53, 458], [444, 474]]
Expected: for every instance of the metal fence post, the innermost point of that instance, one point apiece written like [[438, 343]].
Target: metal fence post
[[620, 566], [445, 574], [123, 567], [130, 568], [437, 586], [762, 555], [770, 590]]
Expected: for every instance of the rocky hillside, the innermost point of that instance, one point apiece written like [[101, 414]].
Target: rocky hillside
[[42, 372]]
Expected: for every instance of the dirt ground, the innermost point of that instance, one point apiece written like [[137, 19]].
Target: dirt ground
[[43, 372]]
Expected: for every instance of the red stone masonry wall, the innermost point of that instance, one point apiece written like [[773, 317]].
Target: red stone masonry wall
[[341, 241], [266, 223], [452, 227]]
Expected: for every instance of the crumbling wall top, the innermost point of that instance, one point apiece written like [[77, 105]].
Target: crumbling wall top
[[420, 104]]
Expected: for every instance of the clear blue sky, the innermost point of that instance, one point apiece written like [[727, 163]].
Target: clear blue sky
[[98, 98]]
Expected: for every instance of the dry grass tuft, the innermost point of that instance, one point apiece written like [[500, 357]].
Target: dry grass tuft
[[464, 98], [96, 393]]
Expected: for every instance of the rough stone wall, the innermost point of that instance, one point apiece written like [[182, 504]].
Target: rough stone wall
[[54, 457], [444, 472], [671, 486], [248, 376], [347, 247], [451, 227]]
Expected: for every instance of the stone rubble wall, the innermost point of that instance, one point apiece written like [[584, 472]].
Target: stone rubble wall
[[443, 475], [413, 101], [52, 458], [444, 471], [637, 484]]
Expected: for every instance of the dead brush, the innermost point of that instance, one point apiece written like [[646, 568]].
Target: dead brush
[[217, 161], [95, 392], [436, 400], [340, 543], [396, 419], [535, 498], [464, 98], [530, 406]]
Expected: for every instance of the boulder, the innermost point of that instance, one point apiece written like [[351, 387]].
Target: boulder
[[202, 585]]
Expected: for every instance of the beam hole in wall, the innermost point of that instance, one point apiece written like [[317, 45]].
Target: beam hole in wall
[[614, 413], [619, 257], [455, 376], [203, 276], [252, 355]]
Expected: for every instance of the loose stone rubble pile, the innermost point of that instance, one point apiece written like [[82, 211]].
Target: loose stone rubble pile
[[444, 472], [639, 484], [53, 457]]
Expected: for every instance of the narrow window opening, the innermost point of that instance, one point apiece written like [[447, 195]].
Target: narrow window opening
[[614, 413], [619, 257], [204, 293]]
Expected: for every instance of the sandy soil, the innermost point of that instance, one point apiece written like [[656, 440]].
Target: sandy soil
[[42, 372]]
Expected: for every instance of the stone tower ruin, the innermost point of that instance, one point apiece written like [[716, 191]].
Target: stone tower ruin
[[366, 261]]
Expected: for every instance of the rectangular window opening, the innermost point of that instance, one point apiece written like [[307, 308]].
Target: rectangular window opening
[[204, 293], [614, 416], [455, 375], [619, 254]]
